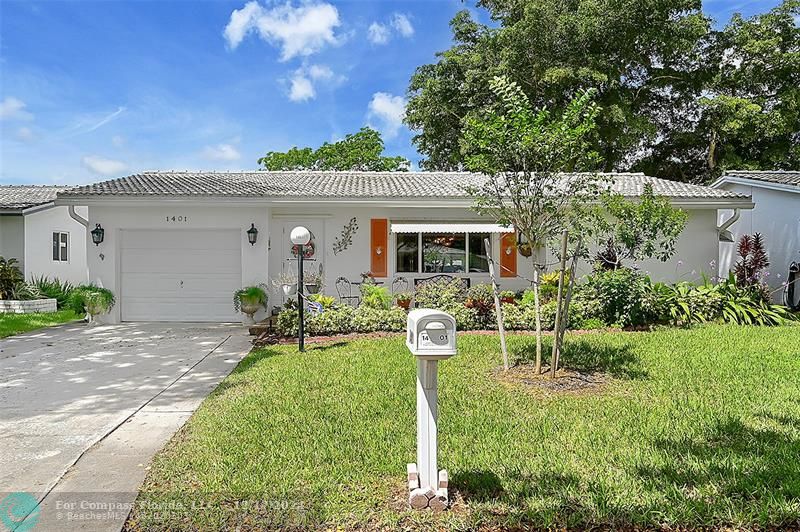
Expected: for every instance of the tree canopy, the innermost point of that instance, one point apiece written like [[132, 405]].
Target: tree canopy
[[357, 151], [679, 98]]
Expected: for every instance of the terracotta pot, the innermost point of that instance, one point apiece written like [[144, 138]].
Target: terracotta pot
[[404, 303], [509, 300]]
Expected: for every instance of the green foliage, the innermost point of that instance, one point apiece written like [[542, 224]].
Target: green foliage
[[54, 288], [326, 301], [11, 324], [250, 295], [681, 99], [23, 291], [621, 293], [91, 299], [642, 229], [359, 151], [753, 261], [370, 319], [403, 296], [375, 296], [10, 277], [441, 294], [344, 320]]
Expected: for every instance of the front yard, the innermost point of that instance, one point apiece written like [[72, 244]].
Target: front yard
[[11, 324], [690, 427]]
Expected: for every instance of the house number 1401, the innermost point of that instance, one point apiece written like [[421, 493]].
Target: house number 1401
[[177, 219]]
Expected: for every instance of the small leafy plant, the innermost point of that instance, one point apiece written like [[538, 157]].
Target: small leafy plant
[[375, 296], [92, 300], [250, 296], [54, 288]]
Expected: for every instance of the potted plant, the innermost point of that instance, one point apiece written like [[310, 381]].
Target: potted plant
[[92, 300], [313, 281], [287, 283], [507, 296], [250, 300], [403, 299]]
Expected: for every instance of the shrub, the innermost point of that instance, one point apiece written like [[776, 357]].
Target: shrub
[[336, 320], [368, 319], [91, 299], [441, 294], [753, 260], [621, 294], [375, 297], [592, 324], [55, 289], [287, 323], [326, 301], [480, 298], [10, 277]]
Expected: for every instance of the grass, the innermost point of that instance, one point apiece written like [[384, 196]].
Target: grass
[[696, 427], [11, 324]]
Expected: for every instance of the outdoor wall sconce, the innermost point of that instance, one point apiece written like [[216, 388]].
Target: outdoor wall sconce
[[98, 233], [379, 251], [252, 234]]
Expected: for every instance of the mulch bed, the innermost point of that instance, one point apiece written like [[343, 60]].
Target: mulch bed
[[566, 380]]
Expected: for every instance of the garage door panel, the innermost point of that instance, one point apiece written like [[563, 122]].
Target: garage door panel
[[180, 261], [224, 239], [180, 275]]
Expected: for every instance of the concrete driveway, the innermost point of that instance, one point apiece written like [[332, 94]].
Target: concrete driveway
[[83, 409]]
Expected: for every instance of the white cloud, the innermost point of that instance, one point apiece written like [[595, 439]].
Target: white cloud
[[103, 166], [13, 108], [388, 110], [304, 81], [378, 33], [118, 141], [402, 24], [24, 134], [222, 152], [299, 31]]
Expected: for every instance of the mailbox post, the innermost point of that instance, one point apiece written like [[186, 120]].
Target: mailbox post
[[431, 337]]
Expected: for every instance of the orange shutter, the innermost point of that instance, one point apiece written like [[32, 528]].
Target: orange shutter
[[379, 247], [508, 255]]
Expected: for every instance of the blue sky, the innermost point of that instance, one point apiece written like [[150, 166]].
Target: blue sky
[[92, 90]]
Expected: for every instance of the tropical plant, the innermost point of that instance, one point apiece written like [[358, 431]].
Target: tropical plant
[[23, 291], [54, 288], [10, 277], [753, 261], [375, 296], [92, 300], [250, 296], [326, 301]]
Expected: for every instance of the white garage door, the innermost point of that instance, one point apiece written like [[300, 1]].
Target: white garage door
[[188, 275]]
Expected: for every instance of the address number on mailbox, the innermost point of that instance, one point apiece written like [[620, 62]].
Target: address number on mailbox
[[438, 339]]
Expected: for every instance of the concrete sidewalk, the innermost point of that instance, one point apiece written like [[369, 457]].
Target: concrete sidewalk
[[83, 410]]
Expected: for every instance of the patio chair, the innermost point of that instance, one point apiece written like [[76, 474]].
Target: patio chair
[[399, 284], [344, 289]]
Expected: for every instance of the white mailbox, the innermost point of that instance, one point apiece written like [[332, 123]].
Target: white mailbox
[[431, 334], [431, 337]]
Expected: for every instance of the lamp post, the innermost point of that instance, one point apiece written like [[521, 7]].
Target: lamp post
[[300, 236]]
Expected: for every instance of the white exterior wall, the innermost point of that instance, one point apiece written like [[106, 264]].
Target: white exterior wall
[[39, 228], [777, 217], [696, 248], [103, 260], [12, 238]]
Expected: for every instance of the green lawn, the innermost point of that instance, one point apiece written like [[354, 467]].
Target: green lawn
[[11, 324], [697, 427]]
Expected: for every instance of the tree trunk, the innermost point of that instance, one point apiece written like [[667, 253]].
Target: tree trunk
[[538, 312], [565, 317], [559, 311]]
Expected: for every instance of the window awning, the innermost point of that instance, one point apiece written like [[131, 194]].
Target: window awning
[[437, 227]]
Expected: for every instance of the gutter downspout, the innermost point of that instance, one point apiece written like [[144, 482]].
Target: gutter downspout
[[83, 221], [722, 230]]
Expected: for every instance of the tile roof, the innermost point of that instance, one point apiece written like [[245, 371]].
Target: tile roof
[[779, 177], [18, 197], [344, 185]]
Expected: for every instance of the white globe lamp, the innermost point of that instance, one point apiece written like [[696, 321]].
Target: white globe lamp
[[300, 236]]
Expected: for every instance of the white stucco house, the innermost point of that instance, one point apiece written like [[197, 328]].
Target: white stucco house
[[175, 244], [776, 216], [43, 237]]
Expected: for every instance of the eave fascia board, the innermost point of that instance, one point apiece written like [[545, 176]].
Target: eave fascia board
[[754, 183]]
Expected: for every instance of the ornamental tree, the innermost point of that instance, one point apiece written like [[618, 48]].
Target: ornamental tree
[[539, 166]]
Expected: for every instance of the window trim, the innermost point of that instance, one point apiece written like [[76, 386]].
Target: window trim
[[62, 246], [420, 259]]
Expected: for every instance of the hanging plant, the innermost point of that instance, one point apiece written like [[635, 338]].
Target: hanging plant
[[345, 240]]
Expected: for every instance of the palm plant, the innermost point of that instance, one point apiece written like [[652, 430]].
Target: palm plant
[[10, 277]]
